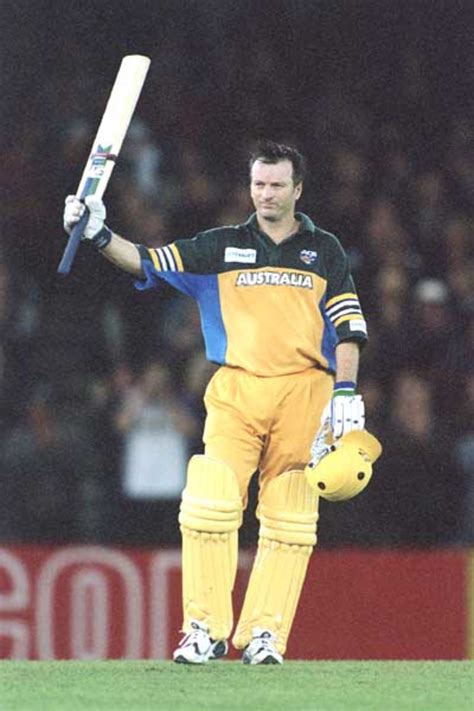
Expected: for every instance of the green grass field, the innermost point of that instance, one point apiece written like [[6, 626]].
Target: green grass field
[[229, 686]]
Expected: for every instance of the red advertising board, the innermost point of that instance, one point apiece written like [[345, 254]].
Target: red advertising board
[[94, 602]]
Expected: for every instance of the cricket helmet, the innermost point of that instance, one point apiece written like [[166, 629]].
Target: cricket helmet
[[347, 468]]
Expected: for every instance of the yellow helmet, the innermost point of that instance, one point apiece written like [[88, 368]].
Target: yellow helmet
[[347, 469]]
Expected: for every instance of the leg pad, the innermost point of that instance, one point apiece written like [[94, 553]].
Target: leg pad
[[210, 515], [288, 515]]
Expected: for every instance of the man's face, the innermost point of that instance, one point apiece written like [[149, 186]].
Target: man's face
[[272, 189]]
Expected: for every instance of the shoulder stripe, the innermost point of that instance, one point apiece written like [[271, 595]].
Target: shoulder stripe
[[154, 258], [162, 260], [346, 304], [336, 299], [169, 258], [177, 257], [166, 259], [346, 312]]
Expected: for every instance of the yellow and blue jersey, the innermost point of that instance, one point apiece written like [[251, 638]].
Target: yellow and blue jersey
[[270, 309]]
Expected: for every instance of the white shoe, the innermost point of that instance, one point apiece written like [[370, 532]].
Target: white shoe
[[262, 649], [197, 647]]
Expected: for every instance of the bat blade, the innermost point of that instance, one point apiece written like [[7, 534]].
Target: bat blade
[[108, 142]]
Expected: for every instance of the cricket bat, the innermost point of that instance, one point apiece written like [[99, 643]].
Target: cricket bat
[[107, 143]]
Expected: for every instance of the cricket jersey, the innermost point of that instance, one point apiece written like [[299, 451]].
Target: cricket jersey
[[270, 309]]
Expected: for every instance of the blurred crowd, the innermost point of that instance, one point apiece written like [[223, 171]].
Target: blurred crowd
[[101, 386]]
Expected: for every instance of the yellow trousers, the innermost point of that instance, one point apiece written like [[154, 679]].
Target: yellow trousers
[[265, 424]]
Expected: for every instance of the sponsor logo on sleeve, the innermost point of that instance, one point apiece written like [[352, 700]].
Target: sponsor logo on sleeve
[[358, 325], [244, 256]]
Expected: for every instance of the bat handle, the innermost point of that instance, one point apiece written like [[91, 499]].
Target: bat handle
[[73, 244]]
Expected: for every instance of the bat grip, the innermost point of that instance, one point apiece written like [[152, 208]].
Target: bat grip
[[73, 244]]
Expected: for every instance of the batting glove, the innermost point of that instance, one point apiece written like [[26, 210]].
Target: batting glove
[[95, 230], [345, 411], [322, 443]]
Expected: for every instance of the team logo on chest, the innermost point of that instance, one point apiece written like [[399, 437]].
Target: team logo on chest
[[308, 256], [249, 278]]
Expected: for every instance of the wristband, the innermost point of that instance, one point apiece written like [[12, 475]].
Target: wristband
[[344, 387], [102, 238]]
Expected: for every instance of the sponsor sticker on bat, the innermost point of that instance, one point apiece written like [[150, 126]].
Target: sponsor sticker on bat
[[96, 171]]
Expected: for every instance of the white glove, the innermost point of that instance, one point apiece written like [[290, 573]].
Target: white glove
[[74, 209], [345, 411], [322, 442]]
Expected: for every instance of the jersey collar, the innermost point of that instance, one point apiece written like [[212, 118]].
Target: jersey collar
[[306, 224]]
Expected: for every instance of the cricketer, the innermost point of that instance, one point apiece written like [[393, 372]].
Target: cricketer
[[281, 316]]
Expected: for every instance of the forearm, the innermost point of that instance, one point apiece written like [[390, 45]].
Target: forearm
[[123, 254], [345, 411], [347, 361]]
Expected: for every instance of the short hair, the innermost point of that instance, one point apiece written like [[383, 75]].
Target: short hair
[[272, 152]]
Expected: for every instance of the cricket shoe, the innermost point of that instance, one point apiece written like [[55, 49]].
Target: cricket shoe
[[197, 647], [262, 649]]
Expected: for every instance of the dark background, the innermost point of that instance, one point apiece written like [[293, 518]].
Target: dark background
[[378, 95]]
